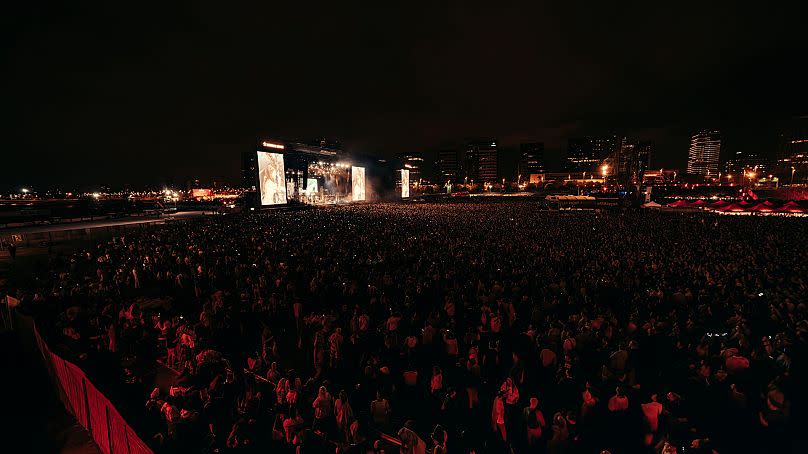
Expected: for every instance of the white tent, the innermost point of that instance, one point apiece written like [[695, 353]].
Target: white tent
[[651, 204]]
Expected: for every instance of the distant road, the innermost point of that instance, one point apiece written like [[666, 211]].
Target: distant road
[[100, 223]]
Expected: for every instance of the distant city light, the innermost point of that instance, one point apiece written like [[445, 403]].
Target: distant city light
[[25, 190]]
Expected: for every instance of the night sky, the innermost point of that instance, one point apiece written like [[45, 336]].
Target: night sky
[[108, 92]]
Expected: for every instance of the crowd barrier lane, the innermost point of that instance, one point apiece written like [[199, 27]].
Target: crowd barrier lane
[[80, 397]]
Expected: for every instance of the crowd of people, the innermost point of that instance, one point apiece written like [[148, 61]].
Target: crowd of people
[[468, 327]]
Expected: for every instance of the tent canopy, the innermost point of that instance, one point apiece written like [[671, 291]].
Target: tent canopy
[[761, 207], [733, 207]]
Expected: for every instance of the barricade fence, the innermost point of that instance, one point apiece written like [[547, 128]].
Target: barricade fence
[[80, 397]]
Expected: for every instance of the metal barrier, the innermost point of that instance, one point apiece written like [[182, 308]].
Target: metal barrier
[[78, 394]]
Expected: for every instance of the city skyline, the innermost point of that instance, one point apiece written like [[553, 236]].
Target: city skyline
[[626, 157]]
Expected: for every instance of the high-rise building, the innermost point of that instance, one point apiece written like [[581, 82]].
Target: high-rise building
[[702, 158], [588, 153], [249, 172], [624, 157], [532, 159], [481, 162], [742, 160], [630, 160], [644, 152], [414, 162], [447, 167], [792, 156]]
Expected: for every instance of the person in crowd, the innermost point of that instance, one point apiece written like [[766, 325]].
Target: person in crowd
[[380, 411], [344, 414], [651, 412], [618, 402], [323, 407], [498, 418], [411, 443], [559, 443], [439, 438], [535, 423]]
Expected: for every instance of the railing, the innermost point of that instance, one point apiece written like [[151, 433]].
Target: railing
[[80, 397]]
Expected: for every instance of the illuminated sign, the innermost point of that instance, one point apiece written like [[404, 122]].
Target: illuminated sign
[[199, 193], [276, 146]]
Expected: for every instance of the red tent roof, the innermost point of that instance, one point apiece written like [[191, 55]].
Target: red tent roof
[[733, 207], [791, 207], [678, 203], [761, 207]]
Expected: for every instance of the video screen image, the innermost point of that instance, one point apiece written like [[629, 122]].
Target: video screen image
[[405, 183], [271, 181], [358, 183], [311, 185]]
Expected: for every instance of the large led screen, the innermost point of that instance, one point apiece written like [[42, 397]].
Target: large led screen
[[271, 181], [358, 183], [405, 183], [311, 185]]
